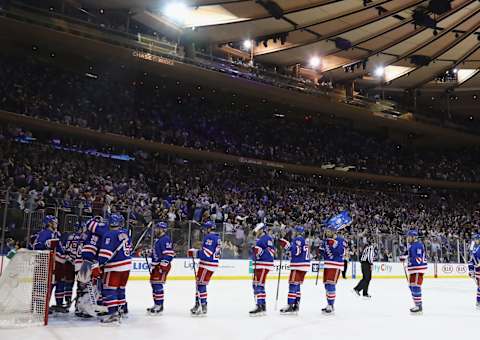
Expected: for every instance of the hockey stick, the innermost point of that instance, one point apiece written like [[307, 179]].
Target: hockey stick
[[278, 280], [318, 272], [148, 264], [254, 276], [405, 271], [142, 236], [197, 294]]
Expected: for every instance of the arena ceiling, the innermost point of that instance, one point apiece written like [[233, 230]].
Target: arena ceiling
[[377, 43]]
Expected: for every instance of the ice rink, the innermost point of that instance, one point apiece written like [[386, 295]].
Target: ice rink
[[449, 313]]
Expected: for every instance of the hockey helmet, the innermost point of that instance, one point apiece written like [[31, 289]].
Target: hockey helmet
[[116, 220], [300, 229], [49, 219], [161, 225], [209, 225], [412, 233]]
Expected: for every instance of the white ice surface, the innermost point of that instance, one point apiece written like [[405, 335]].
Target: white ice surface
[[449, 313]]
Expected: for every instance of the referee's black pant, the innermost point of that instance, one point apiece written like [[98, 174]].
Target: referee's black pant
[[365, 281]]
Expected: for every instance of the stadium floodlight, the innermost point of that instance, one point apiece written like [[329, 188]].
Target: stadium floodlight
[[177, 11], [247, 44], [314, 62], [455, 70], [379, 71]]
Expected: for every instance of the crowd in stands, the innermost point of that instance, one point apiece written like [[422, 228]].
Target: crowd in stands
[[236, 197], [165, 111]]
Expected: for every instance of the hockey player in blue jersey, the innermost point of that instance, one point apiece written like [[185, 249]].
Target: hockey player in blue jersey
[[299, 266], [209, 257], [49, 239], [72, 244], [115, 261], [263, 256], [474, 264], [417, 266], [162, 257], [87, 262], [333, 249]]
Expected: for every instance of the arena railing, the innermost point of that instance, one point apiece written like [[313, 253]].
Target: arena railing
[[238, 239]]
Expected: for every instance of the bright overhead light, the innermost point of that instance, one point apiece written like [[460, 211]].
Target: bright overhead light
[[455, 70], [379, 71], [177, 11], [314, 62], [247, 44]]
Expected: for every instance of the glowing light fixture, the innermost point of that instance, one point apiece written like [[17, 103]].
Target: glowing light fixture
[[314, 62], [247, 44], [177, 11], [379, 71]]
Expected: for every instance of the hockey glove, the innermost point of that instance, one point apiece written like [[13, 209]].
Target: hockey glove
[[52, 243], [331, 242], [96, 271], [257, 251], [284, 243], [192, 252], [164, 266]]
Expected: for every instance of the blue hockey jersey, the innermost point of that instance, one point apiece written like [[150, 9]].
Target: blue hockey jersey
[[93, 240], [71, 247], [300, 254], [474, 263], [211, 251], [333, 250], [163, 250], [82, 238], [266, 253], [43, 242], [115, 251], [417, 261]]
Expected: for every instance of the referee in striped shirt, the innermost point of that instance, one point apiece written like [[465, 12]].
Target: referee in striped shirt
[[366, 261]]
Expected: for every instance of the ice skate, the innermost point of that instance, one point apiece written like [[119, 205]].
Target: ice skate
[[367, 297], [356, 292], [289, 310], [329, 310], [199, 310], [59, 309], [155, 310], [258, 311], [112, 319], [82, 315], [417, 310]]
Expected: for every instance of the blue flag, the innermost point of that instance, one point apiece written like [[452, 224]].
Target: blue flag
[[339, 221]]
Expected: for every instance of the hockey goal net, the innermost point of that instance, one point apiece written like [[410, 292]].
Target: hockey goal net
[[25, 289]]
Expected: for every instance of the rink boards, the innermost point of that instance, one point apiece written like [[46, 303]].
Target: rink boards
[[182, 269]]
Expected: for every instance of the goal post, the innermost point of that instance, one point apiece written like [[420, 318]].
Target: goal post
[[25, 288]]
